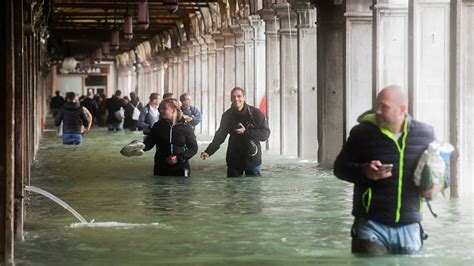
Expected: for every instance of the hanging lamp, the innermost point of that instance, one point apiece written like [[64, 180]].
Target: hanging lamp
[[143, 15]]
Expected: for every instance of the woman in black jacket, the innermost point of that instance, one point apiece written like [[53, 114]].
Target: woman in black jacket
[[174, 140]]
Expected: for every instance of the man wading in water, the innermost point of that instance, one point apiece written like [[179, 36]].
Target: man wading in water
[[380, 158], [247, 127]]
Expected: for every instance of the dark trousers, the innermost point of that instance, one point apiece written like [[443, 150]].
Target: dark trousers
[[233, 172], [163, 169]]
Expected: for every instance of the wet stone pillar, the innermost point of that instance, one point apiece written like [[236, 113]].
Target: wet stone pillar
[[390, 45], [203, 127], [211, 106], [289, 79], [220, 70], [307, 82], [358, 56], [272, 76], [229, 65], [259, 59], [239, 56]]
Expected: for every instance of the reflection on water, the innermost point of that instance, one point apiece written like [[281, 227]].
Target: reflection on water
[[296, 213]]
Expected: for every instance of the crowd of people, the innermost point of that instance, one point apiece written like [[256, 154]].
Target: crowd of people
[[379, 157]]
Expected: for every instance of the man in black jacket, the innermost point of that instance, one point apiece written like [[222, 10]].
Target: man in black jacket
[[247, 127], [73, 117], [380, 158], [116, 111], [56, 103]]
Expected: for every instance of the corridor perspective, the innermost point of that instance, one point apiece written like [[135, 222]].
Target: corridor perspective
[[307, 72]]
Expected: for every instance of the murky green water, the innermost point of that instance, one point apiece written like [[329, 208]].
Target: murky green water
[[297, 213]]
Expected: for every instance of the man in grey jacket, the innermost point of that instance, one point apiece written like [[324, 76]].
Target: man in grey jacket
[[150, 114]]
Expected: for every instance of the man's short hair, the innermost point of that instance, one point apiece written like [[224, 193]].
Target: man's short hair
[[154, 96], [118, 93], [167, 95], [237, 89], [57, 93], [183, 96], [70, 96]]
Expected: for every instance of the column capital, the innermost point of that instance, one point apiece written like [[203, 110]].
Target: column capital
[[306, 15], [286, 15]]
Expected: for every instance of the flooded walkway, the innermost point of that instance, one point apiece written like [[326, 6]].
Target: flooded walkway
[[296, 213]]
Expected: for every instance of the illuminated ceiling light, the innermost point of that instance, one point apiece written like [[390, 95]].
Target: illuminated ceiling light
[[69, 64]]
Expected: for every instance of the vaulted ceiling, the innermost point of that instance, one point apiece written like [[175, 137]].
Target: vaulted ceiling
[[78, 27]]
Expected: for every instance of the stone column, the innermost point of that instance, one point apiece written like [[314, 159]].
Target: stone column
[[220, 69], [259, 58], [462, 107], [390, 45], [429, 72], [330, 80], [249, 68], [175, 74], [179, 85], [211, 106], [358, 56], [307, 82], [185, 59], [196, 93], [229, 65], [239, 56], [203, 127], [191, 68], [272, 77], [289, 79]]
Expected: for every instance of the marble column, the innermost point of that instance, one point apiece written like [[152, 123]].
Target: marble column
[[239, 56], [390, 45], [203, 127], [196, 93], [191, 68], [462, 107], [229, 65], [330, 86], [259, 58], [185, 59], [429, 73], [289, 79], [272, 77], [307, 82], [211, 106], [220, 69], [358, 56], [249, 62]]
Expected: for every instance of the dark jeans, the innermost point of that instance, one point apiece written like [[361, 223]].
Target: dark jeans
[[72, 138], [232, 172]]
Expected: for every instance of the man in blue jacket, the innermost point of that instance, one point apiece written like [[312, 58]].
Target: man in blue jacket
[[379, 158], [191, 114]]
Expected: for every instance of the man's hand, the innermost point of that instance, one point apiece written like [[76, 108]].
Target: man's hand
[[240, 130], [172, 159], [373, 172], [187, 118], [204, 155]]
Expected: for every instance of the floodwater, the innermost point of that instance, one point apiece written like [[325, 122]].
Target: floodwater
[[296, 213]]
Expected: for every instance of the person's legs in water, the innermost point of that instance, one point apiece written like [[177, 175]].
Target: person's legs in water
[[256, 171], [408, 239], [110, 127], [232, 172], [368, 238], [72, 138]]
